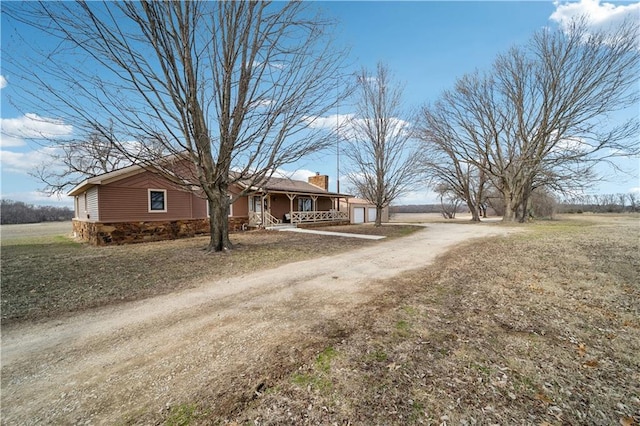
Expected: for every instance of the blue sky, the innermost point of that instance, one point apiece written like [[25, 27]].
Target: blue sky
[[427, 45]]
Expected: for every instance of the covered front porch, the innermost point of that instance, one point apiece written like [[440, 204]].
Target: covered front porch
[[276, 208]]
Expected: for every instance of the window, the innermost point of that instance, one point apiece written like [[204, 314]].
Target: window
[[230, 207], [304, 204], [256, 203], [157, 200]]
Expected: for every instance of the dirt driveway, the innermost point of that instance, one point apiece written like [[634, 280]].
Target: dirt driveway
[[129, 363]]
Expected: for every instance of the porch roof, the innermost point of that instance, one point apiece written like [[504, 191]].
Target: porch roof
[[290, 186]]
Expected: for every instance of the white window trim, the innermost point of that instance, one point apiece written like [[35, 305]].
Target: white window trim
[[230, 206], [149, 200], [303, 199]]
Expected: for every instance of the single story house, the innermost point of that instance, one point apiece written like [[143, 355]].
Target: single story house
[[134, 204]]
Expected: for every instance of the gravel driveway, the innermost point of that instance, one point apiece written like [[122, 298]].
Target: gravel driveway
[[121, 363]]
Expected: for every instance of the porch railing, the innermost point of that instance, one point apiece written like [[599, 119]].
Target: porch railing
[[271, 220], [255, 219], [318, 216]]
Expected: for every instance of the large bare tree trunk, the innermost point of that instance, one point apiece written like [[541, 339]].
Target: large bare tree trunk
[[473, 208], [378, 216], [509, 206], [218, 223]]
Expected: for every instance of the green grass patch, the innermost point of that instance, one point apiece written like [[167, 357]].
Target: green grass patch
[[315, 382], [318, 377], [403, 328], [379, 355], [184, 415], [323, 361]]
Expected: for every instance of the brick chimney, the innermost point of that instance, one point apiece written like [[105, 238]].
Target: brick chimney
[[321, 181]]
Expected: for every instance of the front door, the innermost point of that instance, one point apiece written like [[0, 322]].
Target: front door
[[256, 204]]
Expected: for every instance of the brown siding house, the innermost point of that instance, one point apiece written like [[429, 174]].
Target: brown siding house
[[136, 205]]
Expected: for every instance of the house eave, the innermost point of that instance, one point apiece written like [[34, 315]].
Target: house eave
[[105, 179], [307, 193]]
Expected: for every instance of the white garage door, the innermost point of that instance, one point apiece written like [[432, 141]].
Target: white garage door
[[371, 214], [358, 215]]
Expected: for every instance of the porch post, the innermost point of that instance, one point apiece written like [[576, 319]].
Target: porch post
[[314, 206], [291, 197]]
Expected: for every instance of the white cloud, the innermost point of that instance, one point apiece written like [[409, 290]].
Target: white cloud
[[275, 64], [262, 103], [3, 82], [572, 145], [600, 15], [7, 141], [349, 126], [329, 122], [25, 162], [13, 131], [300, 174]]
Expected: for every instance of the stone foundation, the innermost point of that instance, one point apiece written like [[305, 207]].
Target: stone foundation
[[102, 234], [237, 223]]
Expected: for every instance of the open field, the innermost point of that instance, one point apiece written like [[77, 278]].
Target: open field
[[34, 231], [46, 274], [538, 327]]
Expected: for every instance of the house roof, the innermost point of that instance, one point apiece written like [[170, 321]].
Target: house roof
[[105, 178], [284, 185], [355, 200], [273, 184]]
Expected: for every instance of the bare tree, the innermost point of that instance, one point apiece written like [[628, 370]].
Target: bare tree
[[449, 200], [75, 160], [449, 137], [379, 142], [633, 201], [226, 86], [540, 119]]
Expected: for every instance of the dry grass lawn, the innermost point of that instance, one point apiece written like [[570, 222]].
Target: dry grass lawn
[[541, 328], [45, 274]]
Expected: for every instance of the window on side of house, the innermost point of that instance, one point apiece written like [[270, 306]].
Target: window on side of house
[[230, 207], [157, 201], [304, 204]]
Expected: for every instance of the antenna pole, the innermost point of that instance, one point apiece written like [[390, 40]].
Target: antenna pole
[[337, 137]]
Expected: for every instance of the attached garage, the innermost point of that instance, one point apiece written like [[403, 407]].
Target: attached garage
[[362, 211], [371, 214]]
